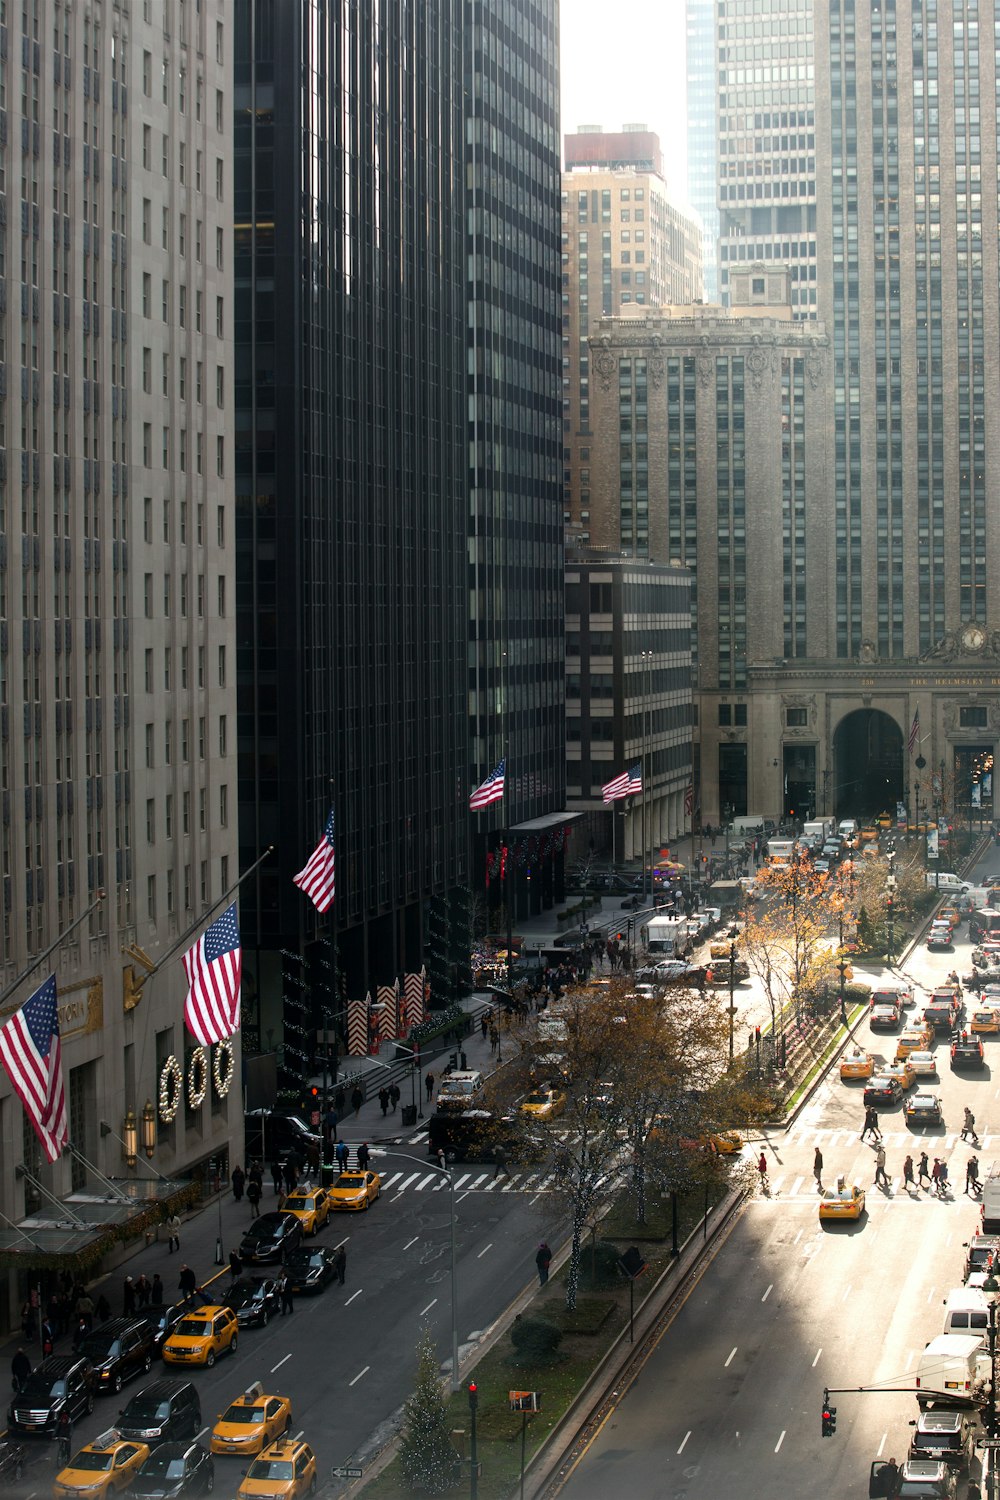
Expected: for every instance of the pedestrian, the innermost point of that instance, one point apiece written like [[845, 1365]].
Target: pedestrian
[[291, 1175], [84, 1309], [383, 1099], [357, 1099], [394, 1096], [20, 1369], [64, 1435], [276, 1176], [340, 1100], [128, 1298], [342, 1154], [500, 1157], [923, 1169], [156, 1291], [429, 1084], [79, 1334], [285, 1292], [888, 1476], [103, 1309], [173, 1233], [239, 1177], [969, 1126], [880, 1176], [943, 1179], [48, 1337], [235, 1265], [818, 1169], [187, 1283], [142, 1291], [253, 1197], [484, 1025], [494, 1038], [340, 1263], [936, 1177], [762, 1169], [972, 1175], [364, 1155], [908, 1174], [543, 1259]]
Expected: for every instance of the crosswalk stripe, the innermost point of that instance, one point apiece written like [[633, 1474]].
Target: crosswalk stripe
[[407, 1181], [392, 1177]]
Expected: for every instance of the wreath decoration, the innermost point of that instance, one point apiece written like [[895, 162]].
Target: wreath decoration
[[171, 1083], [223, 1067], [197, 1078]]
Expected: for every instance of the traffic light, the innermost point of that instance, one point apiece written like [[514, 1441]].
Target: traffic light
[[473, 1395], [829, 1416]]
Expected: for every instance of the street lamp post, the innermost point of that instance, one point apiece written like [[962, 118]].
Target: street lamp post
[[842, 968], [732, 986], [890, 908], [991, 1286], [450, 1176]]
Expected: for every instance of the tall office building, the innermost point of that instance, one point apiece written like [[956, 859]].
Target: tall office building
[[624, 240], [766, 142], [702, 156], [516, 680], [352, 494], [117, 644]]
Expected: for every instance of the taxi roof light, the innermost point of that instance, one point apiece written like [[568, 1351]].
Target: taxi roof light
[[252, 1393]]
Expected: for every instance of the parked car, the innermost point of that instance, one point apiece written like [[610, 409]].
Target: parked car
[[167, 1411], [254, 1300], [173, 1470], [118, 1350], [63, 1382], [269, 1238], [883, 1091]]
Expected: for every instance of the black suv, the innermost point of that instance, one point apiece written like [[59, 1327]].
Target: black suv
[[175, 1469], [118, 1350], [61, 1382], [165, 1412], [269, 1239]]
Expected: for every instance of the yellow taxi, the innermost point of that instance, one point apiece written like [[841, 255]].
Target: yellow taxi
[[985, 1020], [103, 1467], [200, 1337], [857, 1063], [287, 1469], [845, 1201], [544, 1103], [252, 1422], [869, 833], [354, 1190], [311, 1206], [949, 914], [901, 1071], [913, 1039], [725, 1142]]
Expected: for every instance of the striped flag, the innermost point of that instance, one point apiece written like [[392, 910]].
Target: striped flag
[[625, 785], [213, 967], [634, 783], [318, 877], [689, 799], [31, 1053], [914, 732], [491, 789]]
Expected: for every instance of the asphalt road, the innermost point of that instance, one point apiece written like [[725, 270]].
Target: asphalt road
[[346, 1357], [729, 1399]]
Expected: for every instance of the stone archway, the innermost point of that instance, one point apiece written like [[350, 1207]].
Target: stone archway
[[868, 764]]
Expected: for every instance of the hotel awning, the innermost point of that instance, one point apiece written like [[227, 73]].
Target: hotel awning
[[550, 820]]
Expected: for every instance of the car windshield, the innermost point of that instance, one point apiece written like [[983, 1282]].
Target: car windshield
[[194, 1328], [95, 1461], [458, 1086], [350, 1182], [143, 1409], [542, 1098], [920, 1489], [97, 1348], [163, 1465], [42, 1386], [270, 1468], [936, 1440], [244, 1414], [300, 1202]]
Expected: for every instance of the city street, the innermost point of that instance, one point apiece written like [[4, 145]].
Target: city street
[[731, 1395]]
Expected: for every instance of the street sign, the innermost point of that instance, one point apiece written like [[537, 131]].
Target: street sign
[[988, 1442], [347, 1473]]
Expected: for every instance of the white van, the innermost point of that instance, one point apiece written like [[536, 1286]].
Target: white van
[[966, 1310], [945, 880], [950, 1369], [669, 937], [459, 1089], [847, 828], [747, 823]]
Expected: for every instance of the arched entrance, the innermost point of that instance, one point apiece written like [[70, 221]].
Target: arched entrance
[[868, 764]]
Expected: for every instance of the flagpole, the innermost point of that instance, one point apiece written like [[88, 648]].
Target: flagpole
[[200, 921], [52, 947], [510, 872]]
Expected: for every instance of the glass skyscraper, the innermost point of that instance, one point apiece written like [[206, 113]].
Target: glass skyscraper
[[702, 173]]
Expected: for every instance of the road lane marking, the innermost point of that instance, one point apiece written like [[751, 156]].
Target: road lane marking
[[730, 1359], [411, 1242], [462, 1196], [464, 1178], [679, 1451], [819, 1351], [427, 1309], [797, 1238], [847, 1292], [881, 1445], [202, 1432], [353, 1295], [797, 1184], [930, 1293], [767, 1293], [280, 1363], [342, 1242], [483, 1252], [780, 1440], [358, 1376], [406, 1182]]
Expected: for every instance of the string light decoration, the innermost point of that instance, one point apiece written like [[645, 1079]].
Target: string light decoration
[[197, 1078], [223, 1067], [171, 1084]]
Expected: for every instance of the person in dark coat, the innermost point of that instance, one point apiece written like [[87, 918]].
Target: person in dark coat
[[363, 1156], [429, 1084], [103, 1309], [143, 1291], [20, 1369], [284, 1289], [340, 1100], [128, 1298], [393, 1096], [277, 1176], [156, 1291], [342, 1154], [239, 1180], [357, 1099], [253, 1197], [79, 1334], [340, 1263], [187, 1283], [235, 1265], [543, 1259], [383, 1099]]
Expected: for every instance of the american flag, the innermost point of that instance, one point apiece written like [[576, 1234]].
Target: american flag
[[625, 785], [213, 967], [914, 732], [634, 783], [318, 877], [689, 798], [491, 789], [31, 1052]]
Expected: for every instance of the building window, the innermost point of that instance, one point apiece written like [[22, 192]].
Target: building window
[[972, 717], [796, 718], [725, 713], [739, 713]]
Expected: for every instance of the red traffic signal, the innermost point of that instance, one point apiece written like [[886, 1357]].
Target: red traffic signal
[[473, 1395]]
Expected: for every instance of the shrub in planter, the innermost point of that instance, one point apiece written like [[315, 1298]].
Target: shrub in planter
[[599, 1265], [535, 1339]]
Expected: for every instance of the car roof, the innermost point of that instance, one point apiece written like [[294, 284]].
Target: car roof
[[940, 1421]]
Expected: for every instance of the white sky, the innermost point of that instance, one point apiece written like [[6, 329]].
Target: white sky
[[623, 62]]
